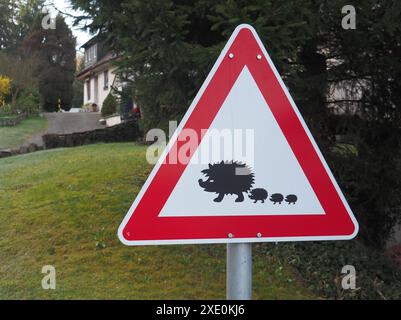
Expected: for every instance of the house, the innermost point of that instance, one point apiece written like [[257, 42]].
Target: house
[[98, 74]]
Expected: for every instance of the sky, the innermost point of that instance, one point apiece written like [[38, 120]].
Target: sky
[[65, 6]]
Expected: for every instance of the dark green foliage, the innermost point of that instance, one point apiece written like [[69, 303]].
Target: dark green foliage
[[320, 265], [126, 100], [16, 19], [28, 102], [78, 93], [110, 105], [23, 77], [6, 10], [78, 85], [370, 68], [55, 51], [168, 47]]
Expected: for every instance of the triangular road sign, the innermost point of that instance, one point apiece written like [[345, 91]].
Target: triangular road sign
[[284, 192]]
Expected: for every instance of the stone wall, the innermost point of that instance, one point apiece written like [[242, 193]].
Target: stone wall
[[4, 153], [124, 132], [12, 121]]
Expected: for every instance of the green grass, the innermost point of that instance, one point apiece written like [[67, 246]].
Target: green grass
[[346, 149], [7, 116], [63, 207], [13, 136]]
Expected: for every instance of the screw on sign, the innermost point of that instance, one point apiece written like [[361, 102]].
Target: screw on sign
[[282, 191]]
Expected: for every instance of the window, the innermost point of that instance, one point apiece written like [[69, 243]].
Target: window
[[91, 55], [106, 79], [88, 89], [94, 53]]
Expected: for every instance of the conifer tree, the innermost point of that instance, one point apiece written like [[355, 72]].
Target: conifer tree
[[54, 50]]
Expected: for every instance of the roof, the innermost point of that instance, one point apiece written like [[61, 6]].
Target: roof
[[92, 41], [93, 68]]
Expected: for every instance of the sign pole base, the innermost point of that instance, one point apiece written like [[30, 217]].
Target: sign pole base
[[239, 271]]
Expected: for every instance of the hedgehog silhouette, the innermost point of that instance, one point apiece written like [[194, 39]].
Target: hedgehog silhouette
[[228, 177], [258, 194]]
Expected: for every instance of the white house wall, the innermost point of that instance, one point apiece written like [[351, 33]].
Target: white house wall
[[102, 93]]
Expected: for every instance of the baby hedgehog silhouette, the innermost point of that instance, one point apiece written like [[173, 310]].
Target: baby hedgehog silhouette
[[228, 177], [291, 199], [277, 198], [258, 195]]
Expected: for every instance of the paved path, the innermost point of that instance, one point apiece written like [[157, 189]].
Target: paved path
[[64, 123]]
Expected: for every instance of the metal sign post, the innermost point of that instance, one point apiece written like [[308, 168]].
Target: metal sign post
[[239, 271]]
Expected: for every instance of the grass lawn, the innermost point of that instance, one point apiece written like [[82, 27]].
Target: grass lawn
[[63, 207], [13, 136]]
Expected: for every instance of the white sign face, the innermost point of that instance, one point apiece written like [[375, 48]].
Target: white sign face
[[275, 166]]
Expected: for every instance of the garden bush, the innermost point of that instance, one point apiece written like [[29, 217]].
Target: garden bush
[[320, 265], [110, 106], [28, 102], [6, 110], [5, 87]]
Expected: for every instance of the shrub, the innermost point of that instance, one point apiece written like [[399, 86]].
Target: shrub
[[320, 265], [28, 102], [87, 107], [109, 106], [5, 88], [6, 110]]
